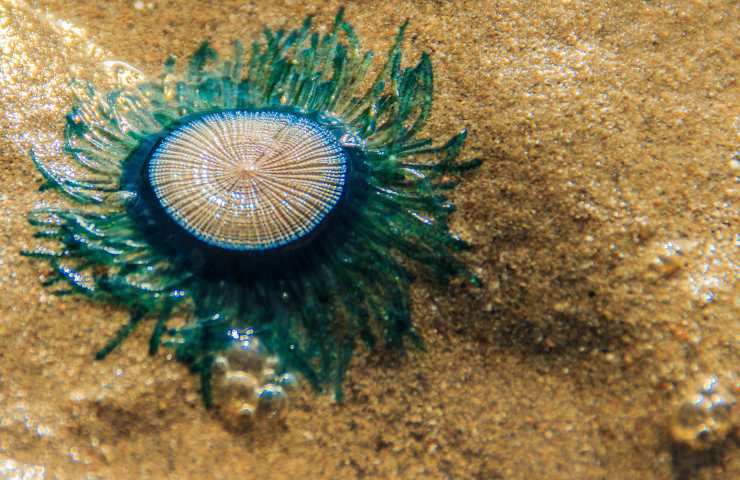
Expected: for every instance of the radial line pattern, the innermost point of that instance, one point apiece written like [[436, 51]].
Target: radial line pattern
[[248, 180]]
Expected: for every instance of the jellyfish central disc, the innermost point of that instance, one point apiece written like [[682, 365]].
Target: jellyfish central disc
[[248, 180]]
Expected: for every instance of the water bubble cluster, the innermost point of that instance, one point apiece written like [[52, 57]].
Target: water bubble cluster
[[247, 386], [706, 414]]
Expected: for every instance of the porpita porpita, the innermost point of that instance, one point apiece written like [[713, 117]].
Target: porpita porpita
[[279, 206]]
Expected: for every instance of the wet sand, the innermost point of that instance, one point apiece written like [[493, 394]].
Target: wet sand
[[604, 223]]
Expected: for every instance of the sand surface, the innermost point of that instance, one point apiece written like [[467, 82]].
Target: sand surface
[[605, 227]]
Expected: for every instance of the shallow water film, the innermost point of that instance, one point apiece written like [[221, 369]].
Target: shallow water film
[[584, 324]]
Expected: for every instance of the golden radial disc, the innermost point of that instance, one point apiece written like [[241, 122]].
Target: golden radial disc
[[248, 180]]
